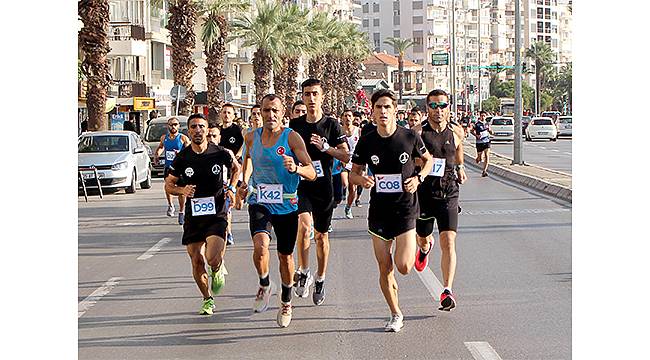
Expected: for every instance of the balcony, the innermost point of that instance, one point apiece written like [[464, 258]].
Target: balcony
[[126, 39]]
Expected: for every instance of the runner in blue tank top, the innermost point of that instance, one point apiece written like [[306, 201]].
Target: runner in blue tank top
[[170, 145], [271, 188]]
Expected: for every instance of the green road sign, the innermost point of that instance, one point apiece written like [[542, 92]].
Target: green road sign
[[439, 59]]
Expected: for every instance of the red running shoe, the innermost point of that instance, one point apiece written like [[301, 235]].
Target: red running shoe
[[447, 301], [421, 259]]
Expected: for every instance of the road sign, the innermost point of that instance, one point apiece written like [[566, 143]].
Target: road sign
[[439, 59], [143, 103], [227, 85], [178, 91]]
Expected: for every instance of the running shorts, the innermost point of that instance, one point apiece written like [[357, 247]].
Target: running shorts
[[388, 223], [337, 182], [320, 211], [197, 229], [285, 226], [444, 211], [482, 146]]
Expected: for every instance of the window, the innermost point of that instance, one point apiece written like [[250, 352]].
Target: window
[[375, 7], [364, 8], [396, 20], [540, 13], [418, 20], [396, 33], [375, 22], [548, 39], [365, 22], [395, 5], [244, 89], [376, 40], [540, 37], [417, 5], [554, 43], [540, 27], [396, 13]]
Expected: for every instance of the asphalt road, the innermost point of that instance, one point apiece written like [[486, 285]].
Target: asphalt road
[[554, 155], [137, 298]]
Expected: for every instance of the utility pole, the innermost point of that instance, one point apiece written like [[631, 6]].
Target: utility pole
[[453, 57], [480, 7], [517, 150]]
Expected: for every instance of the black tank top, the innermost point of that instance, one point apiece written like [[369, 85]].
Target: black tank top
[[440, 145]]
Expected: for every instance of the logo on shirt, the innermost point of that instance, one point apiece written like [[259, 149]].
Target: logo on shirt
[[403, 158], [447, 142], [232, 140], [189, 172], [374, 159], [280, 151], [216, 169]]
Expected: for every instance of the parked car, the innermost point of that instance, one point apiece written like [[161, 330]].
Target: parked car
[[564, 126], [120, 158], [503, 128], [551, 114], [524, 124], [541, 128], [156, 129]]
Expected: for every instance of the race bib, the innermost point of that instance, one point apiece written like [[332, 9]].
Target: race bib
[[203, 206], [318, 167], [438, 168], [269, 193], [391, 183], [484, 134]]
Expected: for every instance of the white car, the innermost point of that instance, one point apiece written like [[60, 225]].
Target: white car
[[120, 157], [503, 128], [541, 128], [564, 125]]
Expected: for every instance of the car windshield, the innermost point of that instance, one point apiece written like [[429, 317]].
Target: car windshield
[[501, 121], [565, 120], [156, 130], [103, 143], [543, 122]]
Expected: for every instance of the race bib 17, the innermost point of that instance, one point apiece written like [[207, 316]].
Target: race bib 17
[[391, 183], [438, 168]]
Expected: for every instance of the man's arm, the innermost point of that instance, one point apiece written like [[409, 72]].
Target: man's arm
[[357, 177], [172, 188], [460, 159], [185, 140], [161, 146], [298, 147], [247, 168]]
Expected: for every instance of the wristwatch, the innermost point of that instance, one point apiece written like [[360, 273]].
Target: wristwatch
[[326, 147], [421, 178], [460, 167], [232, 188]]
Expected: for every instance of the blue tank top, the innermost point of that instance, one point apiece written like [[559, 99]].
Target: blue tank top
[[171, 147], [268, 169], [337, 166]]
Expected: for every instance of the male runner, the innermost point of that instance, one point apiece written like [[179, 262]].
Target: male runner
[[273, 174], [171, 143], [438, 195], [481, 131], [390, 153], [298, 109], [199, 167], [352, 133], [325, 141], [255, 120], [232, 139], [414, 119]]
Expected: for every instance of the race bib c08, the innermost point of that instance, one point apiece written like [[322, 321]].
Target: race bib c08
[[438, 168], [269, 193], [391, 183], [203, 206]]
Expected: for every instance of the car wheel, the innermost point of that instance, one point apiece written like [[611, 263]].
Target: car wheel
[[147, 183], [131, 188]]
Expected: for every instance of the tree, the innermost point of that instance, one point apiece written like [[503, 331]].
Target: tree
[[400, 46], [293, 26], [93, 40], [541, 53], [491, 104]]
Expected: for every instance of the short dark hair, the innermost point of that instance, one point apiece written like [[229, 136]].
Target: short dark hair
[[346, 110], [437, 92], [256, 106], [416, 110], [298, 102], [383, 93], [310, 82], [356, 114], [195, 116], [482, 112], [214, 125], [228, 105], [271, 97]]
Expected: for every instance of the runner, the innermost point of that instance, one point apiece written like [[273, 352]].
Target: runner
[[298, 109], [232, 139], [270, 169], [390, 153], [199, 168], [415, 119], [481, 131], [352, 133], [171, 143], [438, 195], [325, 141]]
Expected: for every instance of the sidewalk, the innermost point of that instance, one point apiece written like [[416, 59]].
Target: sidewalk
[[554, 183]]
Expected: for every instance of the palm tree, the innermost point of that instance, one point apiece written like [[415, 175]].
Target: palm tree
[[293, 26], [400, 46], [214, 35], [93, 40], [543, 56], [356, 49]]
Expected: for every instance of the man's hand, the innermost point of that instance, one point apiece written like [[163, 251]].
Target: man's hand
[[242, 191], [188, 190], [411, 184], [289, 164], [368, 181], [462, 177], [231, 196], [317, 141]]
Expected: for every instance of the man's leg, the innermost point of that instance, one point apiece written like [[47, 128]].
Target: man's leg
[[448, 258], [322, 252], [261, 242], [387, 282], [487, 160], [215, 250], [405, 251], [302, 244], [181, 203], [198, 267]]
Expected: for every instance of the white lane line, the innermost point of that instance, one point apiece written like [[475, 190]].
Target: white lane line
[[431, 282], [93, 298], [556, 150], [568, 153], [482, 350], [154, 249]]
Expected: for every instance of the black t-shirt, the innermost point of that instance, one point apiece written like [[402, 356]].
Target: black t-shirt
[[330, 129], [388, 156], [367, 128], [441, 145], [232, 138], [205, 171]]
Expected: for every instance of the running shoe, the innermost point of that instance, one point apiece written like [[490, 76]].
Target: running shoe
[[181, 218], [330, 229], [170, 210], [484, 174], [284, 315], [311, 234], [357, 203], [263, 297], [348, 212], [447, 301], [229, 240], [421, 259], [305, 281], [395, 324], [207, 308], [319, 293], [218, 279]]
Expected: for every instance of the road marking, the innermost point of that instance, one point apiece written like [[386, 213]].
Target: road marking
[[556, 150], [568, 153], [431, 282], [481, 350], [93, 298], [513, 212], [154, 249]]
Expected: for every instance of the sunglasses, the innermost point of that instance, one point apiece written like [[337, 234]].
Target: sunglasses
[[176, 124], [434, 105]]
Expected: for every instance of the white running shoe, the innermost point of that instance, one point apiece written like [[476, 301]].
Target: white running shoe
[[263, 297], [170, 210], [395, 324], [284, 315], [305, 281]]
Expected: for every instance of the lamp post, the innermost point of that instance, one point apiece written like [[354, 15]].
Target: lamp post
[[517, 148], [453, 57]]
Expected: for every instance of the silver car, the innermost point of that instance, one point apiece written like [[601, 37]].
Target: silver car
[[155, 130], [565, 126], [120, 157]]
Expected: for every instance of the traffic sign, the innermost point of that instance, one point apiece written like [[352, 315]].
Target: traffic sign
[[227, 85], [439, 59], [178, 91]]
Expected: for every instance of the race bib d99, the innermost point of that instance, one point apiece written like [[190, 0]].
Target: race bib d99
[[391, 183], [269, 193], [203, 206]]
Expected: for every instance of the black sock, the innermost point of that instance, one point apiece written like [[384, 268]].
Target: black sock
[[265, 282], [286, 294]]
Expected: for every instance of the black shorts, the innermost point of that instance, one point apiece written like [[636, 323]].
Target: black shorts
[[482, 146], [338, 188], [197, 229], [285, 226], [165, 172], [388, 223], [444, 211], [321, 211]]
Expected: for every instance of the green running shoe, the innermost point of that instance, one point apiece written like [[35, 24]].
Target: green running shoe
[[207, 308], [218, 279]]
